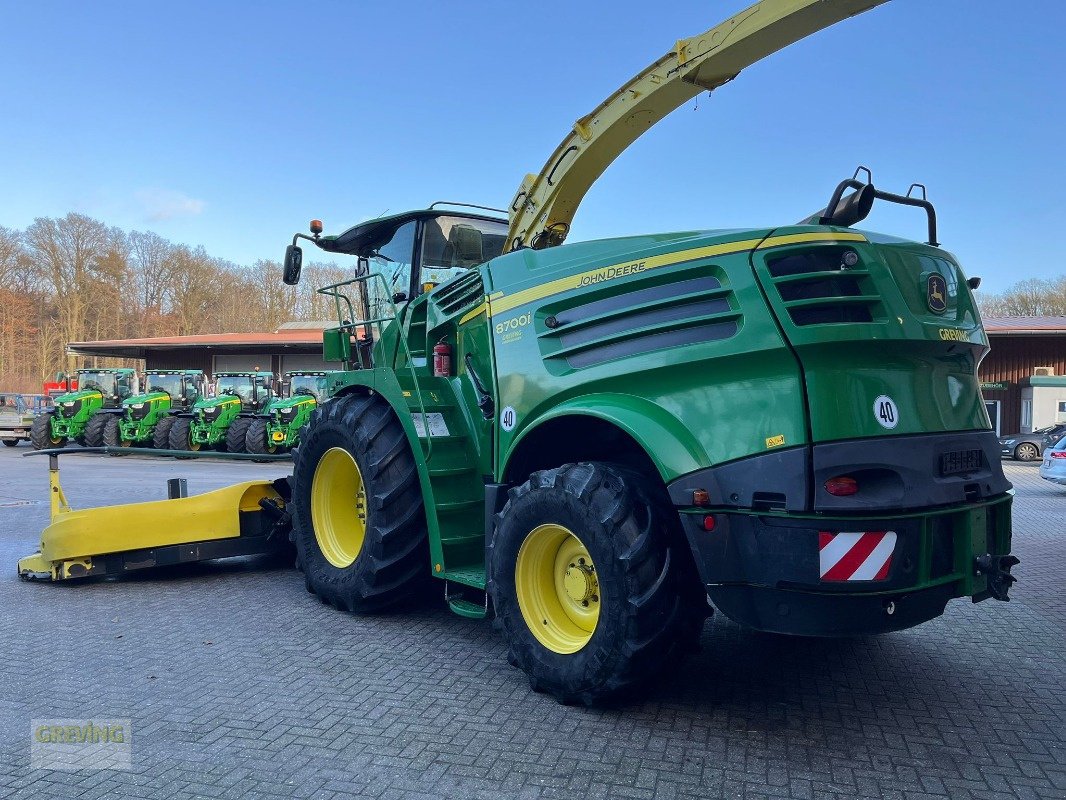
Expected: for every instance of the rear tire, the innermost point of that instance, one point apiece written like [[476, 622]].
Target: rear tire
[[361, 556], [41, 433], [580, 538], [1027, 451], [93, 435], [161, 433], [236, 433], [256, 440], [11, 442]]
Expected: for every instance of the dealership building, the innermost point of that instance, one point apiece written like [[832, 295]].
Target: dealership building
[[1023, 378], [295, 346]]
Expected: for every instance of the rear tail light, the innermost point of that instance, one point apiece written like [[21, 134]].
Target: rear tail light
[[842, 486], [1058, 454], [709, 523]]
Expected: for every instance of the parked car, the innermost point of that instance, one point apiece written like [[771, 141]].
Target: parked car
[[16, 415], [1030, 446], [1053, 467]]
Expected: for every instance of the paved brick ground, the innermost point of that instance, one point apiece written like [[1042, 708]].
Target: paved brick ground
[[240, 684]]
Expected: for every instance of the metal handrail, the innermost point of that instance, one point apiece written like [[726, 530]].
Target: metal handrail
[[332, 291]]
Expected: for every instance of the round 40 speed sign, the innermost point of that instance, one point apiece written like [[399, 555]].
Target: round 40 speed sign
[[885, 412], [508, 419]]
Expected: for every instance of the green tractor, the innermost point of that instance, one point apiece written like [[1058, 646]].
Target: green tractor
[[278, 428], [221, 422], [77, 414], [145, 420]]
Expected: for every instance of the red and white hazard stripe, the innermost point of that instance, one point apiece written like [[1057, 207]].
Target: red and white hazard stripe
[[855, 556]]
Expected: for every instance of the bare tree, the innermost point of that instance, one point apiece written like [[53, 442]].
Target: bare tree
[[1028, 298]]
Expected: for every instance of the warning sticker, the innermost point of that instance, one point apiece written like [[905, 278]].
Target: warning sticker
[[437, 426]]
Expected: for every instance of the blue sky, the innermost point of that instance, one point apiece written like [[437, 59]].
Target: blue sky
[[232, 124]]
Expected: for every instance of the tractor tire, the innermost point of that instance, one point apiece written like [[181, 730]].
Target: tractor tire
[[359, 524], [11, 442], [1027, 451], [179, 438], [112, 436], [588, 578], [93, 435], [41, 433], [256, 440], [236, 434], [161, 433]]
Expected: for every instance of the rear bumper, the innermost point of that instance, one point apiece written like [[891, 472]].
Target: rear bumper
[[812, 614], [771, 571]]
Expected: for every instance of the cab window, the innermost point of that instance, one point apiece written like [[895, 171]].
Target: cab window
[[451, 245], [393, 260]]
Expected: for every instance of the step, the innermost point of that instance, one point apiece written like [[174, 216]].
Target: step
[[444, 472]]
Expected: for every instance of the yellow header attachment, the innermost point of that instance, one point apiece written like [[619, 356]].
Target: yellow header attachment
[[545, 204]]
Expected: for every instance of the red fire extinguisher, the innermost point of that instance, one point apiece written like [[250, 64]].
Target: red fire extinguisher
[[442, 359]]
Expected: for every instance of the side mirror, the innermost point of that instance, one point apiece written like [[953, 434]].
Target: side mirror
[[294, 259], [399, 297]]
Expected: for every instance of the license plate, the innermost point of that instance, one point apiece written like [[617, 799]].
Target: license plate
[[960, 461]]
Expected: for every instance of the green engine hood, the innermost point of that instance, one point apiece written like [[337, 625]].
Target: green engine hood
[[145, 398], [80, 394], [289, 402], [211, 402]]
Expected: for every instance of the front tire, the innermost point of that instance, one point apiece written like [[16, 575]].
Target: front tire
[[41, 433], [93, 435], [161, 433], [1027, 451], [112, 436], [180, 436], [359, 524], [11, 442], [256, 440], [236, 433], [587, 577]]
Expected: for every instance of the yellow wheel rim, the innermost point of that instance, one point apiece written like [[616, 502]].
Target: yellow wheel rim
[[558, 589], [338, 507]]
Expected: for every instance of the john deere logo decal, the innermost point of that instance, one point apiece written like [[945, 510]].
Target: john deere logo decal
[[936, 290]]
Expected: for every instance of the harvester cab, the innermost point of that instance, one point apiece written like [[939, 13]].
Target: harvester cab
[[399, 259], [81, 414], [147, 418], [221, 422], [278, 427]]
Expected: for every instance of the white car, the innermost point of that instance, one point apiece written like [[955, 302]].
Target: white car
[[1053, 467]]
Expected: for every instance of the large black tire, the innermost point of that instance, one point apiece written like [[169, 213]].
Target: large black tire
[[93, 435], [161, 433], [392, 565], [112, 436], [178, 438], [41, 433], [647, 606], [11, 442], [256, 439], [236, 433]]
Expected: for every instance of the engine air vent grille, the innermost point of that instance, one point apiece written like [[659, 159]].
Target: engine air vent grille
[[818, 287], [459, 293]]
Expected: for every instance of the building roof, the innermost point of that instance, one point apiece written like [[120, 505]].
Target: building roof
[[1020, 325], [300, 340]]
